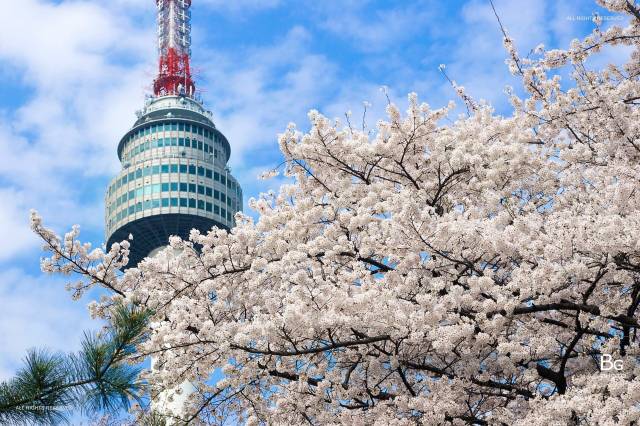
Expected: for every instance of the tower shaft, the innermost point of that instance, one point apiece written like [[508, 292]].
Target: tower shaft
[[174, 175]]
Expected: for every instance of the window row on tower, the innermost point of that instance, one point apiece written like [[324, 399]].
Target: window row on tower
[[157, 188], [190, 169], [138, 148], [171, 127], [172, 134], [170, 202]]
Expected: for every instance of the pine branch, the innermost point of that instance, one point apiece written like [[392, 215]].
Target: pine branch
[[97, 379]]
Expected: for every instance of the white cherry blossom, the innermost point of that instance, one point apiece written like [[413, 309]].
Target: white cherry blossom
[[428, 272]]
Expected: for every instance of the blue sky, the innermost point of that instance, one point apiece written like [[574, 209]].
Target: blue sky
[[73, 72]]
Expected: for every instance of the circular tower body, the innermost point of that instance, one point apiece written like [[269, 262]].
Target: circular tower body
[[174, 177]]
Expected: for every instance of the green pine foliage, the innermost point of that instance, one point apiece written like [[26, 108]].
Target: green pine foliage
[[98, 379]]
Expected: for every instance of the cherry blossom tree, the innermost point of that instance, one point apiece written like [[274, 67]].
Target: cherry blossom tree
[[476, 271]]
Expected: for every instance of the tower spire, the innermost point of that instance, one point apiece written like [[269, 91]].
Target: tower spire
[[174, 48]]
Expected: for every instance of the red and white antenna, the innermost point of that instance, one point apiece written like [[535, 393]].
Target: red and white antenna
[[174, 48]]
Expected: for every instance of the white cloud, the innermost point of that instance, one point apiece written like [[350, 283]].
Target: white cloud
[[80, 63], [386, 28], [526, 22], [13, 224], [37, 313], [62, 46], [478, 58], [240, 7], [258, 91]]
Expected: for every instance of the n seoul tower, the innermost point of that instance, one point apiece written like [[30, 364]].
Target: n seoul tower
[[174, 173]]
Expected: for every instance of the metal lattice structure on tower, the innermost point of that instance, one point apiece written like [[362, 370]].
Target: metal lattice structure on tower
[[174, 48]]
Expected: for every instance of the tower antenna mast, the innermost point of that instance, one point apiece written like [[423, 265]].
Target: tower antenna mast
[[174, 49]]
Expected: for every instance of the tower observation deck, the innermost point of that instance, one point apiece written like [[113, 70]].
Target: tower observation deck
[[174, 173]]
